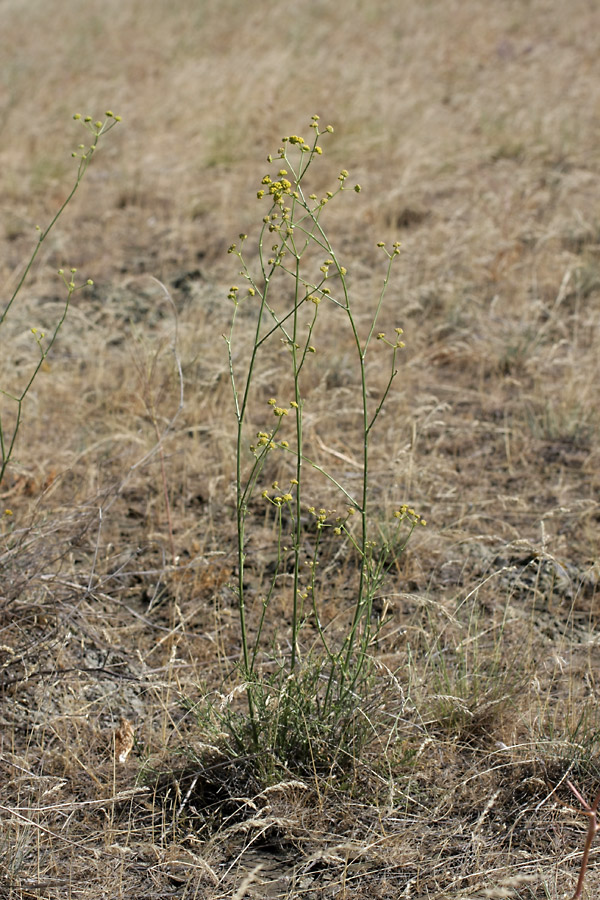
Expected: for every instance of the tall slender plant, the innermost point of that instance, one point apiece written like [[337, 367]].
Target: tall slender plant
[[294, 247], [9, 430]]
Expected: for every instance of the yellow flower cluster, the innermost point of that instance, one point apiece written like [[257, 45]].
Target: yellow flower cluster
[[277, 410], [263, 439], [407, 512], [279, 499], [320, 515], [398, 345], [277, 189]]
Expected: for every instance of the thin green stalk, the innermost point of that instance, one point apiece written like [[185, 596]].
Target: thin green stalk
[[7, 453], [242, 496], [84, 162], [299, 448], [267, 599]]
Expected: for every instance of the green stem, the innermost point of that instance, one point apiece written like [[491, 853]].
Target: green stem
[[298, 528]]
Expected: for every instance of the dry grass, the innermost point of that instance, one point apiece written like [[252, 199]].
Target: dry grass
[[473, 128]]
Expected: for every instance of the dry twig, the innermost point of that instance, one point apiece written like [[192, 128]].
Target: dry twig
[[593, 829]]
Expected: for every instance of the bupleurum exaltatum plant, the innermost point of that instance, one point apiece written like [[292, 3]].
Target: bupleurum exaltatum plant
[[297, 275], [9, 426]]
